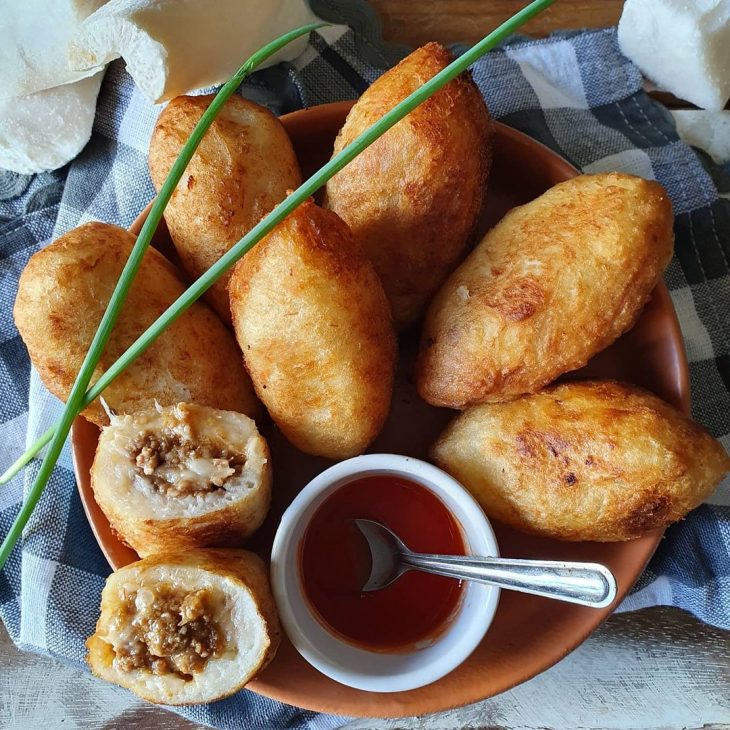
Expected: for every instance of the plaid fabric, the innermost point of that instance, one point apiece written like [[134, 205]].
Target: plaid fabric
[[573, 92]]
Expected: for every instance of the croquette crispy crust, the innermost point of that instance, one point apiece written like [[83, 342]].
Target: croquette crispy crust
[[230, 570], [591, 460], [413, 197], [315, 329], [553, 283], [243, 167], [62, 294]]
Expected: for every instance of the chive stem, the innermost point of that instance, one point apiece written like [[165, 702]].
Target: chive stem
[[78, 397], [155, 214], [202, 284]]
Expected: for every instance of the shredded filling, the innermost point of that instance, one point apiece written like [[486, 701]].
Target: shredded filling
[[177, 466], [167, 631]]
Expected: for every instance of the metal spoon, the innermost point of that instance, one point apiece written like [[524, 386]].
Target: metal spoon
[[589, 584]]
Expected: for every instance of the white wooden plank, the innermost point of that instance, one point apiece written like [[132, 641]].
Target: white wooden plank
[[651, 670]]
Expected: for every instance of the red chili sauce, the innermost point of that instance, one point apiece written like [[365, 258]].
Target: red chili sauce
[[335, 563]]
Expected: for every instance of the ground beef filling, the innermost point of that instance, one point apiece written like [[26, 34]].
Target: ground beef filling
[[177, 466], [168, 632]]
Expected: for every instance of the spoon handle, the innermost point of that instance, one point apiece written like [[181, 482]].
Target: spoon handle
[[589, 584]]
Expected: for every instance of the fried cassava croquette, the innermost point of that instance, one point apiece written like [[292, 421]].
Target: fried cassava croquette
[[316, 333], [586, 460], [186, 628], [414, 196], [553, 283], [62, 294], [180, 477], [243, 167]]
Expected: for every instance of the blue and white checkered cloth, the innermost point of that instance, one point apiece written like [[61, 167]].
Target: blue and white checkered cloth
[[574, 92]]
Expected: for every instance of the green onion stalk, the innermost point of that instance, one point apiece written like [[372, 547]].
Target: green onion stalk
[[79, 397]]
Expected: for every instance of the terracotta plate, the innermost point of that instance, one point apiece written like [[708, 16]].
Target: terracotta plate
[[529, 634]]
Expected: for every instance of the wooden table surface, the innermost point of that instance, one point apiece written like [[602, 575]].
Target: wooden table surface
[[415, 22], [658, 668]]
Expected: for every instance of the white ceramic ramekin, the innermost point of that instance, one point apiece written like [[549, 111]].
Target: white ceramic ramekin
[[354, 666]]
